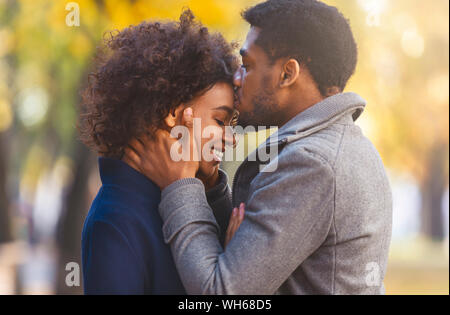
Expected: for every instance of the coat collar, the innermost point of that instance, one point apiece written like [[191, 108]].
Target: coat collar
[[318, 117], [118, 173]]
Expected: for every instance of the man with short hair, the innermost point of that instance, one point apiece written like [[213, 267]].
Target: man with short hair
[[320, 222]]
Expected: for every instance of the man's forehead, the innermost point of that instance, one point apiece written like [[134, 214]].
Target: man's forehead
[[250, 40]]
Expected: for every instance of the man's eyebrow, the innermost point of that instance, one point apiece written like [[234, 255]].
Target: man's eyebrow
[[228, 109]]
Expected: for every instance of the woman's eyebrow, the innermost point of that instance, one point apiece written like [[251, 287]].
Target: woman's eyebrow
[[228, 109]]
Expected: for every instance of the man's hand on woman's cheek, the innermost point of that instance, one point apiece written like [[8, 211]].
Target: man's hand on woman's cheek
[[152, 157]]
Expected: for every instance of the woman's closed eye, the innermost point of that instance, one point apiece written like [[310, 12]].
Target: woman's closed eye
[[221, 123]]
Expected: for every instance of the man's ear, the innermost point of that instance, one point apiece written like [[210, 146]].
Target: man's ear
[[174, 117], [290, 73]]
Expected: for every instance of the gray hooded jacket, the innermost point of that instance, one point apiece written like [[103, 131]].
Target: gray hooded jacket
[[319, 222]]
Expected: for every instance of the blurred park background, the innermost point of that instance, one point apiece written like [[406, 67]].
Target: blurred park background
[[48, 178]]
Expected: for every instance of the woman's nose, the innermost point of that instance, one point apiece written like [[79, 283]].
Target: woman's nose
[[230, 137]]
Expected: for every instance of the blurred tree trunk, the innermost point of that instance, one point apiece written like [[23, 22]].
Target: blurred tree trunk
[[5, 220], [432, 190], [71, 221]]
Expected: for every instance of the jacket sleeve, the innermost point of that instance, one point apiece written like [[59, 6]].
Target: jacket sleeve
[[111, 265], [288, 215], [219, 199]]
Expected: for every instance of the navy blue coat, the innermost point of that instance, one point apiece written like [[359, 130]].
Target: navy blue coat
[[123, 249]]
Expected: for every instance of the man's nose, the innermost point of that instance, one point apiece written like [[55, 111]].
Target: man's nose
[[237, 78]]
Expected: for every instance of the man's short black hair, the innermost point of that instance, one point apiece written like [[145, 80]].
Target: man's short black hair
[[312, 32]]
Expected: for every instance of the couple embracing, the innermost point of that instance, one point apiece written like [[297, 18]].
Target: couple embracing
[[315, 219]]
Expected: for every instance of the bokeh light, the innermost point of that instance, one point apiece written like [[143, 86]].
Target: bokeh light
[[33, 106], [413, 43]]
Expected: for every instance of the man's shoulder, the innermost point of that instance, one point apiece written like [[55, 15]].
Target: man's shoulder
[[332, 144], [299, 158], [323, 145]]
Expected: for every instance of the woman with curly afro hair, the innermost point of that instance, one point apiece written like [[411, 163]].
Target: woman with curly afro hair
[[144, 78]]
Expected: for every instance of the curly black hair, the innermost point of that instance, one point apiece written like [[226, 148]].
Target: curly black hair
[[310, 31], [145, 72]]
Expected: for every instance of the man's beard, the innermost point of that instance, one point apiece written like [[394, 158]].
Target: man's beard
[[265, 109]]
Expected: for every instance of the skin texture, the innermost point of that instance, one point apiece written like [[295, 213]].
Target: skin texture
[[215, 109], [270, 94], [255, 92]]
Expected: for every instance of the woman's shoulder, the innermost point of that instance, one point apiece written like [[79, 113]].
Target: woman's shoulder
[[127, 218], [106, 211]]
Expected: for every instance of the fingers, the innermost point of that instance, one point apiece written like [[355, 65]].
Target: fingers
[[163, 141], [132, 155], [137, 145], [231, 227], [137, 150], [132, 158], [236, 219], [241, 212], [195, 143], [188, 118], [162, 133]]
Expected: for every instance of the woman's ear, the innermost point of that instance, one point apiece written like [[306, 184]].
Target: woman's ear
[[174, 117], [290, 73]]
